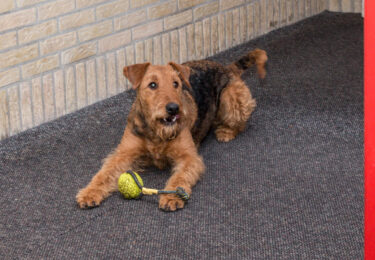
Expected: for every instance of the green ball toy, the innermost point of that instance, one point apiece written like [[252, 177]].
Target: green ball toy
[[128, 187]]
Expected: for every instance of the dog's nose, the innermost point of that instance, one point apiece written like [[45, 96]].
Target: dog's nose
[[172, 108]]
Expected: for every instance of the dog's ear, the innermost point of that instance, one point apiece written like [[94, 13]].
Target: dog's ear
[[184, 71], [135, 73]]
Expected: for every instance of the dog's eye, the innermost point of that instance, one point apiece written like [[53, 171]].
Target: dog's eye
[[152, 85], [175, 84]]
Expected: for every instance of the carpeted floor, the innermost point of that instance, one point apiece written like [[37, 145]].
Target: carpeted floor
[[289, 187]]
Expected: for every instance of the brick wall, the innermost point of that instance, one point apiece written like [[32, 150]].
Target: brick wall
[[345, 6], [57, 56]]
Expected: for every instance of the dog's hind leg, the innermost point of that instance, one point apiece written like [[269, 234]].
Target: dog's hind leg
[[105, 181], [236, 106]]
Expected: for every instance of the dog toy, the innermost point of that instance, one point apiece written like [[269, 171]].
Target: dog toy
[[130, 185]]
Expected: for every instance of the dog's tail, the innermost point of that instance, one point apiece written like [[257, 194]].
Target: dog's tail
[[256, 57]]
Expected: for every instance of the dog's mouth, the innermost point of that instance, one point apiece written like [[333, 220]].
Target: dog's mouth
[[170, 120]]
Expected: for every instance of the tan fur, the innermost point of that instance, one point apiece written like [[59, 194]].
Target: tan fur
[[236, 106], [146, 141]]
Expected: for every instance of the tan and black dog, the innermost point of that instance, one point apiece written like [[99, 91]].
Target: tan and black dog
[[175, 107]]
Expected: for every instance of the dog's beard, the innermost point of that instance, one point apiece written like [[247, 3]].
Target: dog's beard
[[167, 132], [167, 127]]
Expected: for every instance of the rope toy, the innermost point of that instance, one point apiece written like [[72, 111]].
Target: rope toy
[[130, 185]]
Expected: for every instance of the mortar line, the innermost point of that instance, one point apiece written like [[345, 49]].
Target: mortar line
[[19, 105], [8, 111]]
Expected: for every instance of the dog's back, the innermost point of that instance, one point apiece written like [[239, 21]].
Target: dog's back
[[208, 79]]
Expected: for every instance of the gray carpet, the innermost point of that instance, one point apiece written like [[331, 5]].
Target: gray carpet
[[289, 187]]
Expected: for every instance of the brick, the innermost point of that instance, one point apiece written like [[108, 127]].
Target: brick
[[357, 6], [111, 73], [198, 30], [81, 85], [206, 10], [289, 11], [236, 27], [86, 3], [8, 40], [91, 81], [112, 9], [175, 57], [157, 51], [76, 20], [114, 41], [140, 3], [178, 20], [228, 29], [162, 10], [301, 9], [346, 5], [120, 56], [130, 60], [6, 5], [182, 4], [270, 14], [139, 52], [4, 118], [26, 112], [221, 32], [101, 77], [24, 3], [148, 29], [253, 22], [307, 8], [55, 8], [37, 101], [58, 77], [78, 53], [14, 110], [214, 35], [227, 4], [190, 42], [276, 12], [183, 44], [58, 43], [283, 16], [95, 31], [243, 25], [17, 19], [9, 76], [130, 20], [166, 48], [70, 90], [17, 56], [148, 50], [39, 66], [263, 16], [273, 14], [321, 5], [295, 10], [206, 37], [313, 7], [37, 32], [48, 98]]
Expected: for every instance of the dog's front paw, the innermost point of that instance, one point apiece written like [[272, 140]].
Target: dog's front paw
[[89, 198], [225, 134], [170, 202]]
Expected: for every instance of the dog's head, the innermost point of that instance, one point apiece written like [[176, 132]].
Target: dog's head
[[160, 95]]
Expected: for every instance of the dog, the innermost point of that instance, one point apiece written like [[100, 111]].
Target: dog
[[175, 107]]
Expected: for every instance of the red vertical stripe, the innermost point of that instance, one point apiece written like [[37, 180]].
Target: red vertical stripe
[[369, 129]]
